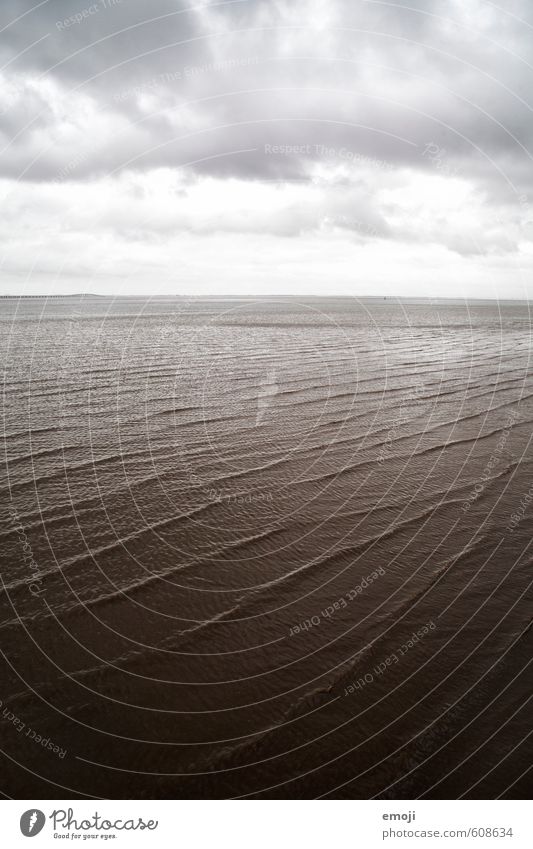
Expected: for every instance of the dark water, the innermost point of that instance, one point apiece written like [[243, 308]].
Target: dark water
[[222, 524]]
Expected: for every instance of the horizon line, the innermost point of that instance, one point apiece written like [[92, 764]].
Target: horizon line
[[228, 296]]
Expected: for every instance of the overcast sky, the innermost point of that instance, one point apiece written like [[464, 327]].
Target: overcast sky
[[267, 147]]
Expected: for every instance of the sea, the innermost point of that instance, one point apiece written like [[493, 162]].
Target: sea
[[265, 548]]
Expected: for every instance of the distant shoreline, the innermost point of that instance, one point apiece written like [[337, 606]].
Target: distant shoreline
[[373, 299]]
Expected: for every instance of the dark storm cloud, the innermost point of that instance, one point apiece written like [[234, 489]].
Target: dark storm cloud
[[82, 39], [213, 87], [188, 83]]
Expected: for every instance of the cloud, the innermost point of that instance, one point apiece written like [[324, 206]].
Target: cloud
[[347, 120]]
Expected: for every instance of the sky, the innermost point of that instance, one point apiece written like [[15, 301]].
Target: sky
[[267, 147]]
